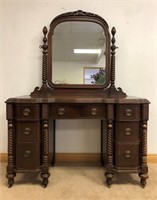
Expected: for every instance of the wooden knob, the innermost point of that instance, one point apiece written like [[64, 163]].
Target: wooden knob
[[128, 112], [94, 111], [61, 111], [27, 131], [128, 154], [27, 154], [127, 131], [26, 111]]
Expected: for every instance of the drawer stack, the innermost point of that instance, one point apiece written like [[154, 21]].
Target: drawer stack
[[28, 140], [127, 137]]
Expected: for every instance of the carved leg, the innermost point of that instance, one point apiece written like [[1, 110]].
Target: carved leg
[[45, 146], [10, 167], [144, 168], [109, 167]]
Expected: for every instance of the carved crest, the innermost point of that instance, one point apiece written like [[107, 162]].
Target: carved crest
[[79, 13]]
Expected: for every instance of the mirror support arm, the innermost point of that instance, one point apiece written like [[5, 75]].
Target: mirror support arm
[[44, 64], [113, 92], [44, 90]]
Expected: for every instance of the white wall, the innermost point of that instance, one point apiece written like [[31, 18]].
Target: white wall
[[20, 66]]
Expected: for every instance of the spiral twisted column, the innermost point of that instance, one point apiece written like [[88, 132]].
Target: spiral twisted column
[[109, 166], [45, 145], [10, 167], [144, 168]]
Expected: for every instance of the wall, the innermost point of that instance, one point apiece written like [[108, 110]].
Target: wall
[[20, 67]]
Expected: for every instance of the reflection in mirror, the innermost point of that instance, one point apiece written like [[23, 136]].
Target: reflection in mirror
[[76, 44], [94, 75]]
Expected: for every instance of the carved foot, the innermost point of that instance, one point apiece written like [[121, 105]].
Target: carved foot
[[10, 178], [10, 182], [45, 182], [45, 177], [143, 179], [109, 178]]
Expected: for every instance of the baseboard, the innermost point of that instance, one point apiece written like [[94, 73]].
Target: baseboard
[[80, 157], [3, 157], [152, 158]]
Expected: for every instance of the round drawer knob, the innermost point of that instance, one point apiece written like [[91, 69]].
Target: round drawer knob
[[27, 131], [94, 111], [128, 112], [127, 131], [27, 154], [61, 111], [128, 154], [26, 111]]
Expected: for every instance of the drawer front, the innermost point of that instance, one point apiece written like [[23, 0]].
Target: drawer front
[[92, 111], [27, 156], [27, 112], [128, 112], [127, 131], [27, 131], [126, 155], [77, 111]]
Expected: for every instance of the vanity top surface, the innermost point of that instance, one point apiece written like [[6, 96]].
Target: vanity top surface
[[76, 99]]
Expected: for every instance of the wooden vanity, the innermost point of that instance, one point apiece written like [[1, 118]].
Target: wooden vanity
[[123, 118]]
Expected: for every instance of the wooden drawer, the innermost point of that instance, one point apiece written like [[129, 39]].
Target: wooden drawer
[[127, 131], [92, 111], [27, 112], [27, 131], [77, 111], [126, 155], [27, 156], [128, 112]]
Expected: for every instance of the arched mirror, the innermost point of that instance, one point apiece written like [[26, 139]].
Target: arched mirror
[[78, 51]]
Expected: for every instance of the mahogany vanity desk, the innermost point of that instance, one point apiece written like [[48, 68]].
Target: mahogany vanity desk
[[123, 118]]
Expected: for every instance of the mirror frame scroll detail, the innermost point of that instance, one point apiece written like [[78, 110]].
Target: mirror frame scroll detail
[[79, 16]]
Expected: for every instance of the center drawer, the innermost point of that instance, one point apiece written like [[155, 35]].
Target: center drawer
[[77, 111]]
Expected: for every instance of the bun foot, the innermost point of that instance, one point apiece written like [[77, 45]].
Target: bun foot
[[10, 177], [109, 178], [45, 177], [143, 179], [143, 183], [10, 182], [45, 182]]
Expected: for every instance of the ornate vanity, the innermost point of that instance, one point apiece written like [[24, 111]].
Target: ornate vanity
[[77, 41]]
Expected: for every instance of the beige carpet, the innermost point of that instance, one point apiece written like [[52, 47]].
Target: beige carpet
[[78, 183]]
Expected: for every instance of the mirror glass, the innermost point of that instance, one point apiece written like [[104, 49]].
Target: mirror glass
[[78, 53]]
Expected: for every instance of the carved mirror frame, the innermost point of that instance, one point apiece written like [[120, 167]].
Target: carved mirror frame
[[78, 16]]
